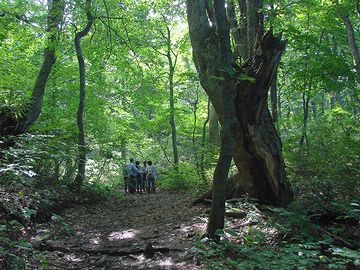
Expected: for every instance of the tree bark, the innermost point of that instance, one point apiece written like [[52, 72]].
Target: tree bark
[[259, 151], [228, 132], [9, 125], [80, 177], [274, 102]]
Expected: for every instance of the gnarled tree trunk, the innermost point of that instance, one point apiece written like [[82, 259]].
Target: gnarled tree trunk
[[258, 151]]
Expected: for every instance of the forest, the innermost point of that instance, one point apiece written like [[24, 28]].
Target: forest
[[249, 110]]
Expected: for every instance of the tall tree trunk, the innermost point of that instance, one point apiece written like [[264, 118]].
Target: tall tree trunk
[[172, 65], [9, 125], [314, 109], [229, 119], [214, 135], [305, 103], [203, 140], [80, 177], [352, 42], [356, 59]]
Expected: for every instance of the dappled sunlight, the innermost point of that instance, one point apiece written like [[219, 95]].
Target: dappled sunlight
[[128, 234], [166, 262], [96, 240], [72, 258]]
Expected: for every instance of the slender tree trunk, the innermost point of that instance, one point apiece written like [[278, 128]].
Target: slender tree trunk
[[9, 125], [352, 42], [356, 59], [214, 134], [314, 109], [229, 119], [123, 150], [203, 141], [172, 65], [195, 150], [80, 177], [305, 102]]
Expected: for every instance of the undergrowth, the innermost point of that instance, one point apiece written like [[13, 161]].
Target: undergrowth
[[280, 238]]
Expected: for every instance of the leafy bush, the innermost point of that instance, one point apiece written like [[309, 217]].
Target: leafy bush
[[327, 170], [228, 255], [183, 178]]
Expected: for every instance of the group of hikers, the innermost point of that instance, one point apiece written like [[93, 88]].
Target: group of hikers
[[139, 179]]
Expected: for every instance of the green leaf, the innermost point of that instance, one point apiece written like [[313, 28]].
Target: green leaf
[[244, 77], [218, 78], [232, 233], [220, 232]]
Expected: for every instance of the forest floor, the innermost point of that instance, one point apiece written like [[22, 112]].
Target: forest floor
[[113, 234]]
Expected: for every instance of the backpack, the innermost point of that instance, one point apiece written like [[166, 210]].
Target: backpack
[[150, 175]]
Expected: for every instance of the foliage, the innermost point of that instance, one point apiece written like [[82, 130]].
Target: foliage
[[326, 171], [182, 178], [228, 255], [286, 240]]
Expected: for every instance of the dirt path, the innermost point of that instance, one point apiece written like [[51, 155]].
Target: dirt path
[[113, 235]]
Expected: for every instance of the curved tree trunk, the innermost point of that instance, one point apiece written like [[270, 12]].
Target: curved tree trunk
[[9, 125], [79, 179]]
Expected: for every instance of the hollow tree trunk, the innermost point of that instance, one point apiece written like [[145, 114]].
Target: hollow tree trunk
[[9, 125], [258, 151], [79, 179]]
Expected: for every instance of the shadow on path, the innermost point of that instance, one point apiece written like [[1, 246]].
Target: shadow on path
[[113, 234]]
